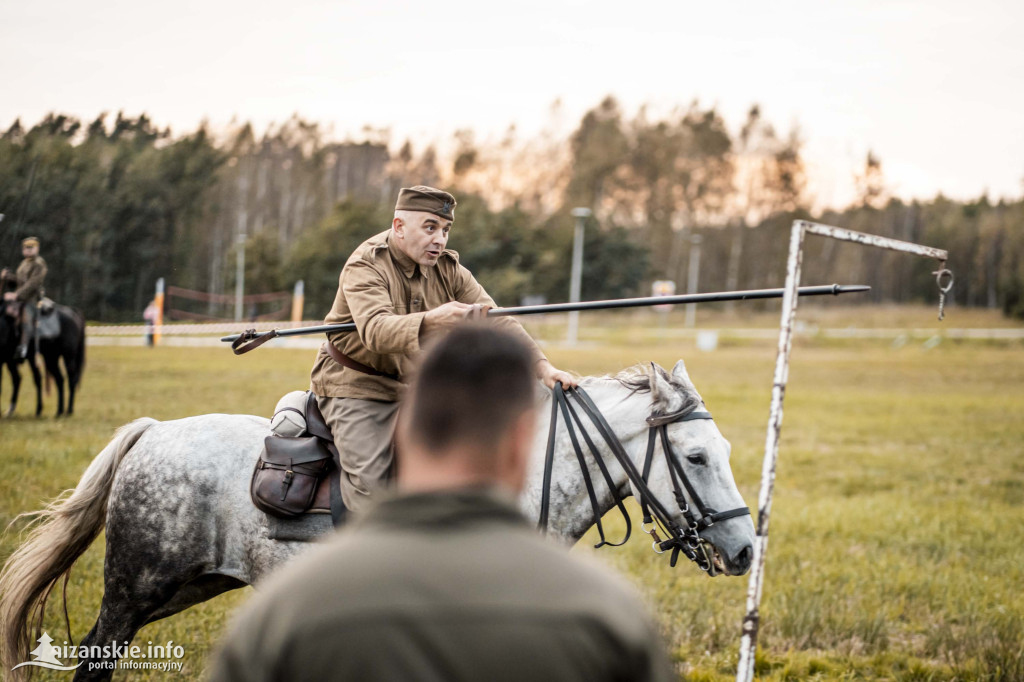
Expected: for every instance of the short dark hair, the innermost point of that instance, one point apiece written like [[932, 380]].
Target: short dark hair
[[471, 387]]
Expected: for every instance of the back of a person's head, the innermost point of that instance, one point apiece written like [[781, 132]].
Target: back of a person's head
[[472, 385]]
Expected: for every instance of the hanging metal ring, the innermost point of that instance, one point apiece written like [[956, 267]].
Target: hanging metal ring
[[939, 274]]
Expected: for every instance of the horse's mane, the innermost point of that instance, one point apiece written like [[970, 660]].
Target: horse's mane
[[638, 380]]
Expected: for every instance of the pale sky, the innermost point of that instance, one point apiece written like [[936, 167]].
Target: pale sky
[[935, 88]]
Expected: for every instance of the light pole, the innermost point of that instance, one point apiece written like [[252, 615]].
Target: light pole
[[239, 276], [692, 277], [243, 219], [581, 215]]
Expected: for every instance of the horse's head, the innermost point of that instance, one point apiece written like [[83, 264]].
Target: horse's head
[[702, 454]]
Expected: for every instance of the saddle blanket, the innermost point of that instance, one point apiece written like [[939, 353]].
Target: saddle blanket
[[305, 528], [49, 320]]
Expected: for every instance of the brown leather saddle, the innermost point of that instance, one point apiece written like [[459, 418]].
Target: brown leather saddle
[[300, 475]]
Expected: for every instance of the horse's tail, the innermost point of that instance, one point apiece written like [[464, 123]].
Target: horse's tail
[[59, 534]]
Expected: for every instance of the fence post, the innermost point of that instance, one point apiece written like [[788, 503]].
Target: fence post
[[158, 301], [298, 300]]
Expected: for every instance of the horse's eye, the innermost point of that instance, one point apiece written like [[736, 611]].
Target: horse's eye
[[700, 460]]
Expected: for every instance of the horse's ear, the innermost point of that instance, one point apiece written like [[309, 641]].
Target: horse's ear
[[663, 393], [680, 375]]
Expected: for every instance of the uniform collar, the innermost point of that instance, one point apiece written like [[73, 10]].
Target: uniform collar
[[446, 508], [407, 265]]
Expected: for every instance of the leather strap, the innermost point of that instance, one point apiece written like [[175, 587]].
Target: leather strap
[[620, 454], [338, 509], [570, 415], [658, 420], [559, 400], [549, 458], [346, 361], [680, 540], [250, 339]]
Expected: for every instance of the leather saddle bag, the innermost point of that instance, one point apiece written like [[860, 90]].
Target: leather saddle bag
[[287, 473]]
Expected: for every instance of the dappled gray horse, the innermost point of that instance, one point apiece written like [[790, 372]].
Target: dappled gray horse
[[181, 529]]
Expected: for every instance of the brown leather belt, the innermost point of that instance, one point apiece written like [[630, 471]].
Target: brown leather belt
[[346, 361]]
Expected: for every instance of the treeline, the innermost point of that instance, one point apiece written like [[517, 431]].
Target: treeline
[[119, 203]]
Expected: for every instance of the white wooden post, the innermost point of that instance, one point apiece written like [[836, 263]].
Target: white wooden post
[[751, 622]]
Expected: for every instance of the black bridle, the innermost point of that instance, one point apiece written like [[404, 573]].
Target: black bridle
[[696, 514]]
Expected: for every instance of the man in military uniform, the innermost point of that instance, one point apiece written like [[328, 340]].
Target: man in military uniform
[[29, 278], [447, 580], [399, 287]]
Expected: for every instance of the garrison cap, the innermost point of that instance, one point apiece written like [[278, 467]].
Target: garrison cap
[[428, 200], [30, 241]]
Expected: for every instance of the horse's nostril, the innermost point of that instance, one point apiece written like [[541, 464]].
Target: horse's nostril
[[743, 559]]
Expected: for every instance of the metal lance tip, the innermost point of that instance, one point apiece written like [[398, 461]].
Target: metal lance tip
[[849, 288]]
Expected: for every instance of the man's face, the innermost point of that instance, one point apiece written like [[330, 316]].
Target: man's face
[[421, 236], [30, 251]]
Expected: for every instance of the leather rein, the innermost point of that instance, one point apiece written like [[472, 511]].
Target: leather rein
[[696, 514]]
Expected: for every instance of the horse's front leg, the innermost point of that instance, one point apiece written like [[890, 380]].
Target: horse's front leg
[[12, 367], [38, 380]]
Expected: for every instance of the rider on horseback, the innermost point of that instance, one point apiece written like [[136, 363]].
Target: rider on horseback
[[399, 287], [29, 278]]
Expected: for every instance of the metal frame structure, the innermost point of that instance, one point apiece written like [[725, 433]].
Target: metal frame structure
[[751, 622]]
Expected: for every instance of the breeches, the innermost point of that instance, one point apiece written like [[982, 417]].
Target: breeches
[[28, 321], [362, 431]]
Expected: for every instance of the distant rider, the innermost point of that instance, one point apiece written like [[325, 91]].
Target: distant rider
[[29, 278]]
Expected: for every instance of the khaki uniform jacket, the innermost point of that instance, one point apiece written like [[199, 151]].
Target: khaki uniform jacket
[[30, 275], [387, 295], [442, 586]]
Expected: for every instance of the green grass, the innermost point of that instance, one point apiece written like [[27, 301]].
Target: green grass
[[897, 543]]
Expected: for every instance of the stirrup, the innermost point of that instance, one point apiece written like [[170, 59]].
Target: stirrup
[[21, 353]]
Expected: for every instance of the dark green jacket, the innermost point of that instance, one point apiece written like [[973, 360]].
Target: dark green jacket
[[442, 586]]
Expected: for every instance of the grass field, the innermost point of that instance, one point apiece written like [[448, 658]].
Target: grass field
[[897, 547]]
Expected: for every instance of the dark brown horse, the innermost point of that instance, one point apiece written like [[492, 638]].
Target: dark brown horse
[[69, 345]]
